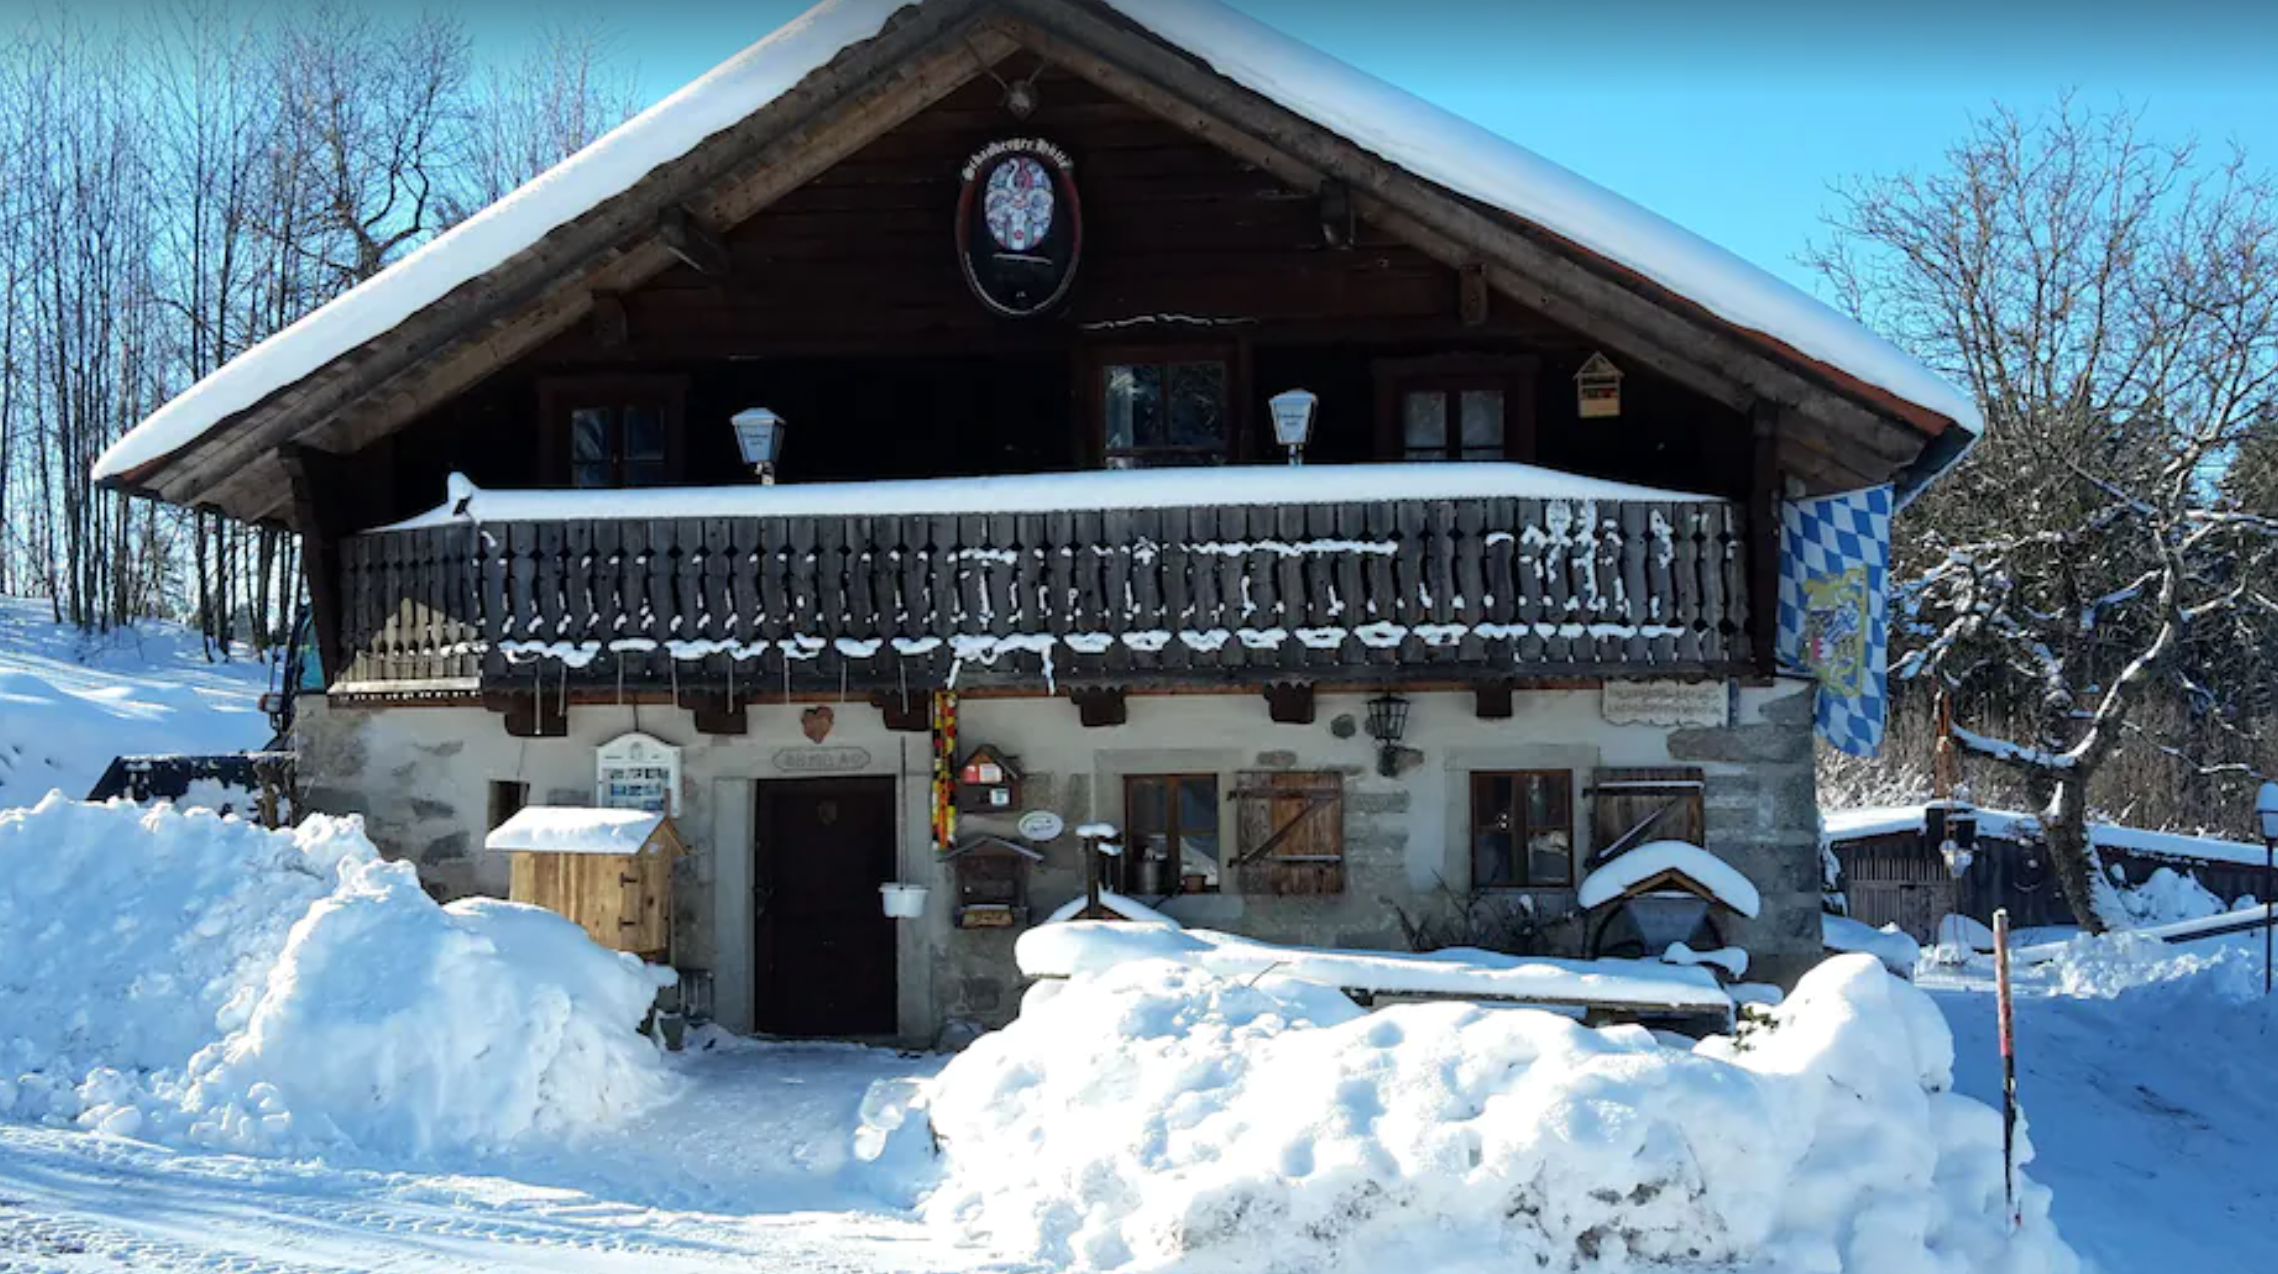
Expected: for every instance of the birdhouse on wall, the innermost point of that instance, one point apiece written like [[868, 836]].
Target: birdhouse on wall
[[987, 783], [992, 882], [1597, 389]]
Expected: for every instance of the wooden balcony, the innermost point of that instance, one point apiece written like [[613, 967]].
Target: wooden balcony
[[1355, 591]]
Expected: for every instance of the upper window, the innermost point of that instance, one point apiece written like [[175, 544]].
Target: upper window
[[1451, 424], [1457, 407], [1169, 412], [618, 446], [1522, 829], [611, 431], [1170, 843]]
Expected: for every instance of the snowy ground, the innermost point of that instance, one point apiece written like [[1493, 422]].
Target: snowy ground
[[70, 702], [2149, 1097], [750, 1168]]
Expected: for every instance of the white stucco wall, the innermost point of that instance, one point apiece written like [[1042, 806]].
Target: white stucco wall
[[422, 776]]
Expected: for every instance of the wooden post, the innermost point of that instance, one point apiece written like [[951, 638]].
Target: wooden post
[[1764, 537], [2006, 1020], [319, 512], [1091, 876]]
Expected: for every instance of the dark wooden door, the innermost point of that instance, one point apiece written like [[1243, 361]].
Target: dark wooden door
[[825, 947]]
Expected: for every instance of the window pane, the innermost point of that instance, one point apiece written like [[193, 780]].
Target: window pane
[[592, 475], [1134, 405], [1198, 404], [1550, 835], [1482, 419], [589, 435], [1491, 859], [644, 473], [1423, 417], [644, 433], [1198, 834]]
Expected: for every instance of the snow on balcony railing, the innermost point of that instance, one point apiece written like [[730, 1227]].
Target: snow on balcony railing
[[1325, 573]]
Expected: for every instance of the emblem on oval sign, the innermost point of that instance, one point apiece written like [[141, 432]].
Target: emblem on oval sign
[[816, 723], [1019, 226]]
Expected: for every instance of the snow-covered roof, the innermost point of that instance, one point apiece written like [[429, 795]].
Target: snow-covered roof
[[1454, 152], [1434, 144], [1128, 908], [1643, 863], [1042, 492], [569, 829], [1081, 947], [1885, 820]]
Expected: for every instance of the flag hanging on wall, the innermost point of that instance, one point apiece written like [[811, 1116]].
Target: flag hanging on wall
[[1835, 609]]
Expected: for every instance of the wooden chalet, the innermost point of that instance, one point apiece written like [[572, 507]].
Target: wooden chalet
[[996, 265]]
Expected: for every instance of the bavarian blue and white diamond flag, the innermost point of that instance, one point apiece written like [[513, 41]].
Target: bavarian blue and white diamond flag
[[1835, 609]]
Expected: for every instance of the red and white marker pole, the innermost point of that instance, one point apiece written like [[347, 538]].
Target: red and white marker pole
[[2006, 1015]]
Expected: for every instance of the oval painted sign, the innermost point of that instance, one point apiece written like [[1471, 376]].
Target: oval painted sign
[[1020, 227], [1041, 825]]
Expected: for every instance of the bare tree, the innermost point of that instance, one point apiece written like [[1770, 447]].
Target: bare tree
[[534, 113], [2113, 304]]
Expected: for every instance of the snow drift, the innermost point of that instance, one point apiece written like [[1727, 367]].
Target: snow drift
[[192, 978], [1155, 1114]]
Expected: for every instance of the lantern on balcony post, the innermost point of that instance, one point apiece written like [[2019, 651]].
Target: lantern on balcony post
[[759, 435], [1293, 412]]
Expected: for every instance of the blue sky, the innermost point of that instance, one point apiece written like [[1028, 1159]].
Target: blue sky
[[1729, 118]]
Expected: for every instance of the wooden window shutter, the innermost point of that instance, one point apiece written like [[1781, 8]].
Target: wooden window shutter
[[1290, 832], [1630, 807]]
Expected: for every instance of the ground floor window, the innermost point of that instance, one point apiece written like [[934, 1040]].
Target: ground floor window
[[1522, 829], [1170, 835]]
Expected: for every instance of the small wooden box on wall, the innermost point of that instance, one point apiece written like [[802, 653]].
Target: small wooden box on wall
[[992, 882], [987, 783]]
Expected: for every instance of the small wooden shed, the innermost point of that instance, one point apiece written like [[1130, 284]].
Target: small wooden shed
[[608, 870]]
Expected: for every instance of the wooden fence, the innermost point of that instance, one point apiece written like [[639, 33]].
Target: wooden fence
[[1350, 591]]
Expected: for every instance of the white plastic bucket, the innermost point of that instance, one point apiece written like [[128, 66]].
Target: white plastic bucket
[[903, 902]]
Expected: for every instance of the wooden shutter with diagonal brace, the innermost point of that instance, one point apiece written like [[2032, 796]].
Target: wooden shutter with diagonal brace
[[1635, 805], [1290, 831]]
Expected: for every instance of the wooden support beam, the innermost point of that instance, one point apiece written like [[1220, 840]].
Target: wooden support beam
[[1472, 303], [611, 328], [1290, 703], [910, 713], [319, 504], [1100, 706], [528, 715], [719, 714], [699, 247], [1492, 703], [1764, 536]]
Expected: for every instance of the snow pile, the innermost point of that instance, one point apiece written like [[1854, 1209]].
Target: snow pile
[[1157, 1115], [2166, 897], [1898, 952], [194, 979], [69, 701]]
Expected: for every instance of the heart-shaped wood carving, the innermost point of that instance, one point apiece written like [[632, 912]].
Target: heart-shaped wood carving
[[816, 722]]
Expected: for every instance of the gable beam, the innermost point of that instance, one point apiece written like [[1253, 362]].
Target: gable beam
[[696, 245], [919, 59], [1127, 61]]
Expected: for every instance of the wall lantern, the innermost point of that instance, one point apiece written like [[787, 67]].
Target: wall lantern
[[1597, 389], [1293, 412], [1387, 723], [759, 435]]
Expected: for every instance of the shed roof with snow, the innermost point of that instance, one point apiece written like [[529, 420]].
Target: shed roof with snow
[[530, 266], [571, 829]]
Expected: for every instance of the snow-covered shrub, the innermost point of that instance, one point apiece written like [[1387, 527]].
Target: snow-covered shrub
[[1153, 1115], [2165, 897], [191, 978]]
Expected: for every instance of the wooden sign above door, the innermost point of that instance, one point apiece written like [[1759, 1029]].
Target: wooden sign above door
[[1019, 226]]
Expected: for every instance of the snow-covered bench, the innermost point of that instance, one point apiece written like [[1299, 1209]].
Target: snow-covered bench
[[1628, 990]]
